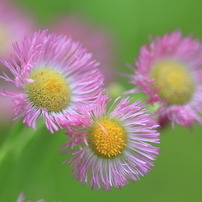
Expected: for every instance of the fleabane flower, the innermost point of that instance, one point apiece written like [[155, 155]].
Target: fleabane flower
[[112, 146], [169, 72], [54, 73]]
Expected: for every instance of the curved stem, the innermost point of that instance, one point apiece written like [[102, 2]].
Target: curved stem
[[17, 139]]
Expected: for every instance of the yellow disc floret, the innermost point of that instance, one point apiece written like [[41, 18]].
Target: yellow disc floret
[[49, 90], [175, 81], [107, 138]]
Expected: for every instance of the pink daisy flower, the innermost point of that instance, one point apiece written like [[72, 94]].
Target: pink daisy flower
[[111, 145], [169, 72], [96, 39], [53, 73]]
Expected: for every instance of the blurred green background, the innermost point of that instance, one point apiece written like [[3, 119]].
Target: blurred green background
[[176, 177]]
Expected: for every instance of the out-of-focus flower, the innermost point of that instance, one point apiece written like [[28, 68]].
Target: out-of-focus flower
[[169, 71], [111, 145], [54, 73], [21, 198], [115, 89], [97, 39], [15, 23]]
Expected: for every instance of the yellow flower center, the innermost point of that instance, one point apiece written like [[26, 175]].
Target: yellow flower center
[[175, 81], [49, 90], [107, 138]]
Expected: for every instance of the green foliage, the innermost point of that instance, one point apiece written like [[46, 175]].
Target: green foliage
[[37, 169]]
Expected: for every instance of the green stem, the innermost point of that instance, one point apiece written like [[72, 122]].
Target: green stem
[[18, 137]]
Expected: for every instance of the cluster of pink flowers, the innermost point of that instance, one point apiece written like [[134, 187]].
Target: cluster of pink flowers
[[59, 80], [45, 64]]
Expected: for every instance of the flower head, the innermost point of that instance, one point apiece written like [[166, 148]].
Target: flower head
[[169, 72], [54, 73], [111, 144]]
